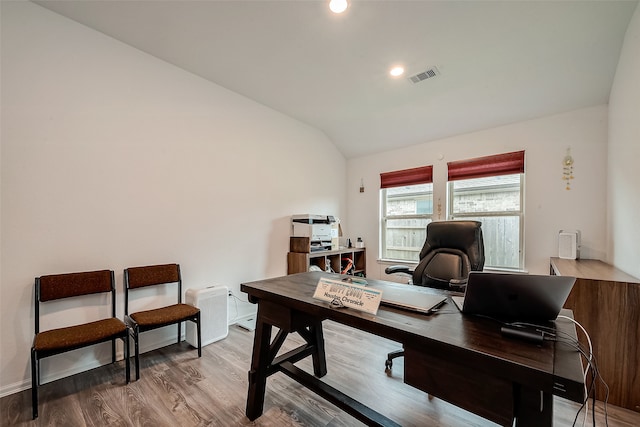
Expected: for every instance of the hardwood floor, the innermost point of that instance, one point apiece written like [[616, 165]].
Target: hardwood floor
[[178, 388]]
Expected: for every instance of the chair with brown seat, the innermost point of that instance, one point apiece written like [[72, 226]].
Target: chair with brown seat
[[60, 340], [141, 321]]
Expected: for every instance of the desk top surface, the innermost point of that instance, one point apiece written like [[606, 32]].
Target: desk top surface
[[477, 339], [592, 269]]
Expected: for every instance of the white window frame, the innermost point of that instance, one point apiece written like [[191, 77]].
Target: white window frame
[[384, 219], [474, 215]]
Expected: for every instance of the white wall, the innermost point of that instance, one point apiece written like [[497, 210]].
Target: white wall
[[549, 207], [112, 158], [624, 152]]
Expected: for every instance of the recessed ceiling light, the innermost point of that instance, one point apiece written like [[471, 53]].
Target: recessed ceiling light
[[338, 6], [396, 71]]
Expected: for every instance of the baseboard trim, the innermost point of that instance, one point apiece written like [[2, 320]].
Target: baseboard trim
[[48, 377], [54, 376]]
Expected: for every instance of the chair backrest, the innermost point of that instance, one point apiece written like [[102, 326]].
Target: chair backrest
[[139, 277], [58, 286], [452, 249]]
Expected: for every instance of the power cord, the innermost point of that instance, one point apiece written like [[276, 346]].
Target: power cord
[[235, 304], [586, 372], [553, 334]]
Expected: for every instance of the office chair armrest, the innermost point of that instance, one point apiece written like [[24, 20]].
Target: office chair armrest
[[458, 285], [403, 269]]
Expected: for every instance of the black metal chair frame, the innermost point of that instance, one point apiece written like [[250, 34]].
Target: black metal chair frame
[[36, 355], [136, 329]]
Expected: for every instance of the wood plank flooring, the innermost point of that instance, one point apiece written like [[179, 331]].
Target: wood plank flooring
[[177, 388]]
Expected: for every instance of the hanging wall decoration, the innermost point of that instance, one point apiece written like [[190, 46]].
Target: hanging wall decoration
[[567, 166]]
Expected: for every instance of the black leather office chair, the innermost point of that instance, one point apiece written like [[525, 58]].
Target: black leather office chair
[[452, 250]]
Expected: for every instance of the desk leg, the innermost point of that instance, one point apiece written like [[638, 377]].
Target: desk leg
[[319, 358], [258, 374], [534, 408]]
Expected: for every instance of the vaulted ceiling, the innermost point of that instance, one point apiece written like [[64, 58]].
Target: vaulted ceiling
[[497, 62]]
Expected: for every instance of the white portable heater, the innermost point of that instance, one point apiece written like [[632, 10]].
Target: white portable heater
[[569, 244], [212, 302]]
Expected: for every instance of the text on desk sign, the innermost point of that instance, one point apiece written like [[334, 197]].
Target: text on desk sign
[[342, 294]]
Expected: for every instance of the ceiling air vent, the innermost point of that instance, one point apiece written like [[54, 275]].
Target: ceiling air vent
[[427, 74]]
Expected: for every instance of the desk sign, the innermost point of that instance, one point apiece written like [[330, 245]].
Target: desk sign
[[343, 294]]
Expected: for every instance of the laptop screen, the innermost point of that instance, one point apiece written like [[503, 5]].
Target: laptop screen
[[516, 296]]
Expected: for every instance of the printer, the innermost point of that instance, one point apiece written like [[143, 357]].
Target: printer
[[318, 228]]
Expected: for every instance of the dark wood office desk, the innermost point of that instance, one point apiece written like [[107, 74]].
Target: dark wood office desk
[[461, 359]]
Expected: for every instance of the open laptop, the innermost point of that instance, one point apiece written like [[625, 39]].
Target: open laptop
[[515, 296], [411, 298]]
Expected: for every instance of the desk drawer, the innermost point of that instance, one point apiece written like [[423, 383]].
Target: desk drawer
[[463, 386]]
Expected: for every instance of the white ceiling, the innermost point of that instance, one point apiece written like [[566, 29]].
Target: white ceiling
[[500, 61]]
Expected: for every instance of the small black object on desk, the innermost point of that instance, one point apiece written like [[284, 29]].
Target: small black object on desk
[[526, 333]]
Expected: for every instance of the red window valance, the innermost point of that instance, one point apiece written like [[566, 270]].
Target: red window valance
[[421, 175], [499, 164]]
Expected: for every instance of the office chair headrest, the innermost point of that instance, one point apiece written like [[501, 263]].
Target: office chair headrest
[[465, 236]]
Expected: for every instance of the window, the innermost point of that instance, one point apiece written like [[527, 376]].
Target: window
[[407, 206], [490, 190]]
